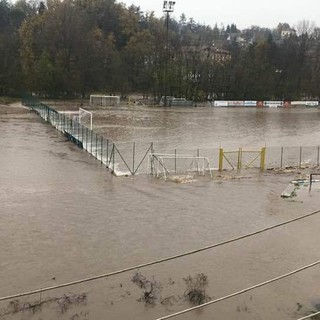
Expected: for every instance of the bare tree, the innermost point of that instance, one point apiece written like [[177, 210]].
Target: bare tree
[[305, 27]]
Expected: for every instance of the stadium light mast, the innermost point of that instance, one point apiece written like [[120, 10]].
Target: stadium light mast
[[168, 7]]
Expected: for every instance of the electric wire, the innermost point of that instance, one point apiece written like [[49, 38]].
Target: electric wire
[[240, 292], [147, 264]]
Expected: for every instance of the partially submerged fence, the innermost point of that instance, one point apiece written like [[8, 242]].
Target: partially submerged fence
[[130, 160], [104, 150], [252, 155], [269, 158]]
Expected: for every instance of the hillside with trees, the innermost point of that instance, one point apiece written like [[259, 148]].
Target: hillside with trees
[[72, 48]]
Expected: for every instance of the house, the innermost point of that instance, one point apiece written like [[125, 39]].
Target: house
[[287, 32], [209, 53]]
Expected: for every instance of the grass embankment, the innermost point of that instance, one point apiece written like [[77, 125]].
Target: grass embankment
[[8, 100], [11, 105]]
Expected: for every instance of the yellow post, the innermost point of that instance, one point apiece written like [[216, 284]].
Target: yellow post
[[220, 159], [263, 158], [239, 159]]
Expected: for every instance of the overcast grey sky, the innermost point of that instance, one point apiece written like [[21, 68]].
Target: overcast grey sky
[[244, 13]]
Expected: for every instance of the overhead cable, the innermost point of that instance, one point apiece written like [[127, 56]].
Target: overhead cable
[[147, 264], [240, 292]]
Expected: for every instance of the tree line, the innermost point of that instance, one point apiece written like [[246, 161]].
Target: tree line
[[72, 48]]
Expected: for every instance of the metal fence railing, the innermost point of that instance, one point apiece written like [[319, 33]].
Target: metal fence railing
[[270, 158], [104, 150], [129, 159]]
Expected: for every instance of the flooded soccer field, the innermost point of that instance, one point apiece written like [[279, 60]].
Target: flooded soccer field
[[64, 217]]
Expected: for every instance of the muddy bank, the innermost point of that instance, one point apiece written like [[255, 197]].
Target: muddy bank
[[15, 108]]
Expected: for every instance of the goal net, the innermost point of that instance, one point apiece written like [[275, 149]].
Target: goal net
[[85, 117], [164, 165], [103, 100]]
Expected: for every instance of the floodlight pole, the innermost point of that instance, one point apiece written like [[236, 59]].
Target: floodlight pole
[[168, 6]]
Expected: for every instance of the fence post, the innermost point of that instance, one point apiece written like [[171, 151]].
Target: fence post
[[87, 139], [281, 157], [239, 159], [220, 159], [101, 153], [91, 141], [151, 160], [78, 124], [107, 152], [198, 155], [175, 160], [300, 158], [113, 158], [133, 156], [96, 146], [263, 158], [318, 155], [82, 134]]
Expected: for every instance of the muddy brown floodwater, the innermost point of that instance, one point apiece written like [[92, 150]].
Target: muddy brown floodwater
[[64, 217]]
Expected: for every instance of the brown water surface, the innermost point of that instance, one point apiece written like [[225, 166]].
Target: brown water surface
[[63, 217]]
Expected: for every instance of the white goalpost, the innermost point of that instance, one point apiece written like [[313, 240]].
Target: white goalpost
[[84, 113], [177, 164], [78, 116], [104, 100]]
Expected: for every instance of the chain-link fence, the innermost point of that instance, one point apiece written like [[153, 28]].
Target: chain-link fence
[[104, 150], [130, 159]]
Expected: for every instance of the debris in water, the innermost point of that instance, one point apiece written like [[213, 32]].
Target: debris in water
[[300, 183], [181, 179], [196, 292]]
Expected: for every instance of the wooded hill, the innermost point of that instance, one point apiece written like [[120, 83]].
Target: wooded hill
[[72, 48]]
